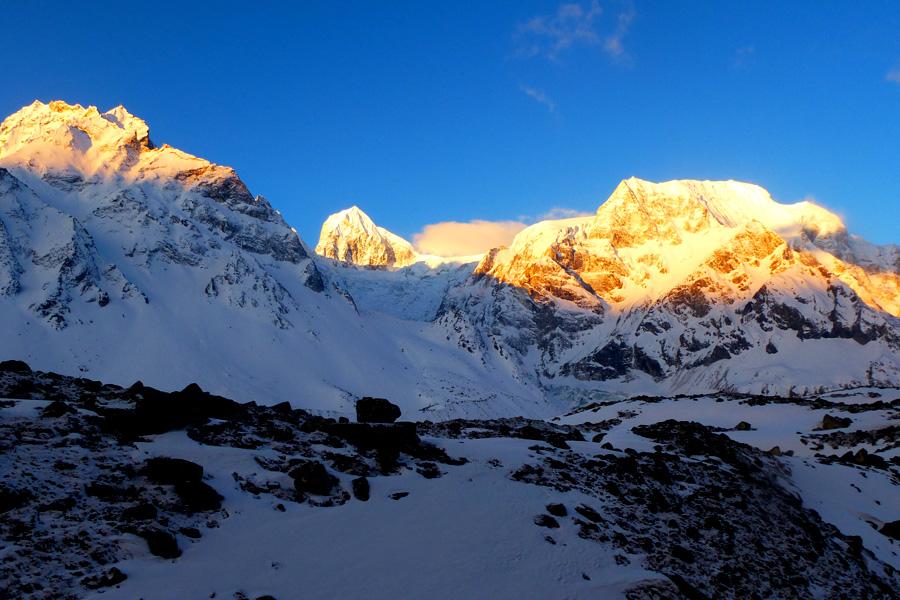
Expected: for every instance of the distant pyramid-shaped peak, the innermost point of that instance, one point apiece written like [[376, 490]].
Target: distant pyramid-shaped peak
[[351, 236]]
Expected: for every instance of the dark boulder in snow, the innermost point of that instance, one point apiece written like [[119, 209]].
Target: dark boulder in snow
[[428, 470], [190, 532], [110, 578], [360, 488], [588, 513], [311, 477], [892, 529], [376, 410], [160, 542], [546, 521], [832, 422], [197, 496], [557, 510], [163, 469], [57, 409], [15, 366]]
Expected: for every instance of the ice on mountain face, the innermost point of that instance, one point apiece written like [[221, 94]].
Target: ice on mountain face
[[350, 236]]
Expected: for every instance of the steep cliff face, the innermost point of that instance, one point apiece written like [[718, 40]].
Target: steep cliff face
[[667, 282]]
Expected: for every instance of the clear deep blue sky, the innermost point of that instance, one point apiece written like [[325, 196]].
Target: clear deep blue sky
[[422, 111]]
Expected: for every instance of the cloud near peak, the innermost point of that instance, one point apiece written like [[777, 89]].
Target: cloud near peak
[[455, 238]]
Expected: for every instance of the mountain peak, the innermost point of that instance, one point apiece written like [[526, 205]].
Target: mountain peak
[[61, 137], [351, 236], [729, 203]]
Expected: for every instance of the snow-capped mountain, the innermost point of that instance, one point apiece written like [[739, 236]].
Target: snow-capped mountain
[[690, 285], [350, 236], [124, 260]]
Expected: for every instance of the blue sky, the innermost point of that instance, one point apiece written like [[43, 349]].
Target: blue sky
[[421, 112]]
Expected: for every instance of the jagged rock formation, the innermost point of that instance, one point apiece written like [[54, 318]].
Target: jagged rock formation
[[352, 237]]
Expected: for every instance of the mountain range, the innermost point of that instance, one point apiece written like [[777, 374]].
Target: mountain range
[[124, 260]]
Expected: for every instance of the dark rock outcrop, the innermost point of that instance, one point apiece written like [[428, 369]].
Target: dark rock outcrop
[[376, 410]]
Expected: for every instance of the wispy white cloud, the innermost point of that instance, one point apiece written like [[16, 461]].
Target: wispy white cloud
[[454, 238], [893, 75], [539, 96], [613, 43], [571, 25]]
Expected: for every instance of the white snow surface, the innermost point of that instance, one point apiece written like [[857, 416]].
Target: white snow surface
[[457, 536]]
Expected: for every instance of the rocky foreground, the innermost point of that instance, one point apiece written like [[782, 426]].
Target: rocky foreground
[[111, 491]]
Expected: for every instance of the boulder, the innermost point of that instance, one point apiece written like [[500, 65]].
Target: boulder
[[891, 529], [311, 477], [163, 469], [589, 513], [832, 422], [197, 496], [109, 578], [428, 470], [557, 510], [546, 521], [360, 488], [160, 542], [57, 409], [15, 366], [190, 532], [376, 410]]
